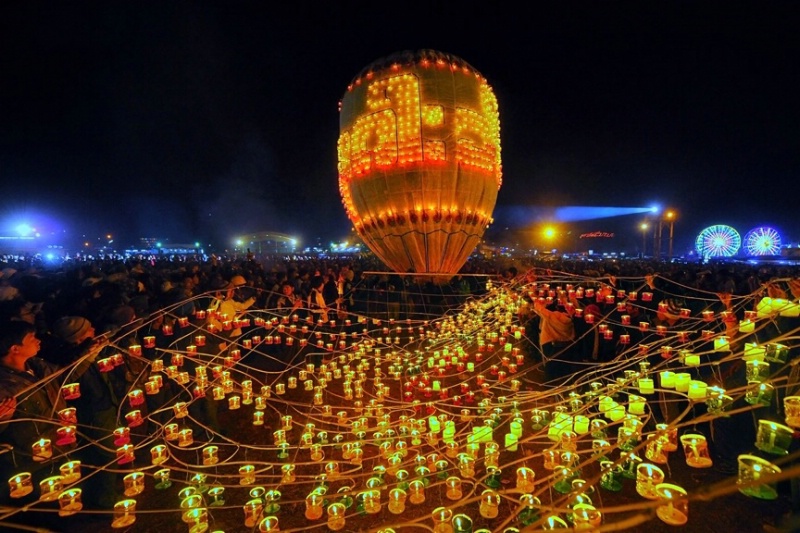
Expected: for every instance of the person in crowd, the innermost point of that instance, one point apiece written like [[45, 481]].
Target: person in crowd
[[316, 303], [182, 295], [635, 314], [72, 338], [230, 305], [509, 274], [288, 303], [592, 345], [394, 296], [275, 289], [344, 292], [97, 407], [556, 338], [7, 289], [668, 313], [303, 281], [587, 337], [20, 309], [30, 403], [330, 290]]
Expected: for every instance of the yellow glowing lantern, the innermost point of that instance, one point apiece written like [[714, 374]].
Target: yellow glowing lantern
[[124, 514], [70, 471], [673, 507], [397, 500], [772, 306], [419, 159], [416, 491], [336, 516], [314, 509], [252, 512], [20, 485], [453, 491], [754, 352], [441, 520], [69, 502], [134, 483], [42, 450]]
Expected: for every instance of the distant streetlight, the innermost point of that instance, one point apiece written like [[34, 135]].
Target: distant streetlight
[[668, 218], [643, 227], [550, 236]]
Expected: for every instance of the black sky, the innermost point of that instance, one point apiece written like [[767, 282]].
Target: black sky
[[198, 120]]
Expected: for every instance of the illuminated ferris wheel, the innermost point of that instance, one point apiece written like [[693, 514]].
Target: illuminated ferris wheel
[[718, 241], [762, 241]]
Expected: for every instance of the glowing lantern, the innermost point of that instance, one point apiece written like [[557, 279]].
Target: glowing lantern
[[419, 159]]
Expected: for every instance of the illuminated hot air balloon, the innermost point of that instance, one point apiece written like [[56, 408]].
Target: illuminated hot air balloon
[[419, 159]]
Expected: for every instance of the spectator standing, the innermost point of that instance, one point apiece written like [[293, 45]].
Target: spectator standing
[[30, 398], [288, 302], [317, 305], [98, 405], [231, 304], [330, 290], [556, 338]]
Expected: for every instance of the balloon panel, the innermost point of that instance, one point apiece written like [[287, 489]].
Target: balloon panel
[[419, 159]]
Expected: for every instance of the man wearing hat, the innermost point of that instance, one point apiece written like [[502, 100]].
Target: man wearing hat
[[231, 305], [669, 312], [29, 399], [556, 338], [73, 329], [73, 337]]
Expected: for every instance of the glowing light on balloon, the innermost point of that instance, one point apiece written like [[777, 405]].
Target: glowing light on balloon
[[762, 241], [419, 159], [718, 241]]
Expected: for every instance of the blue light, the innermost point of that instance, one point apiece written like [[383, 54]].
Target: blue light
[[24, 229], [576, 213]]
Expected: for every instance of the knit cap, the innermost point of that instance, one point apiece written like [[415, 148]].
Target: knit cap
[[71, 328], [671, 306]]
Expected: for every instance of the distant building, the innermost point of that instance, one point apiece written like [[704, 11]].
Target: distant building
[[30, 246], [155, 246], [266, 242]]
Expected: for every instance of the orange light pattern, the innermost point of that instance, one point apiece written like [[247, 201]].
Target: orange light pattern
[[419, 159]]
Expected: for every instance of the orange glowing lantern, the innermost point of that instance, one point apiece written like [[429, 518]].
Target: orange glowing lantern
[[419, 159]]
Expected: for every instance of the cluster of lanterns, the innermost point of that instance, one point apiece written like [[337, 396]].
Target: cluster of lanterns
[[385, 414]]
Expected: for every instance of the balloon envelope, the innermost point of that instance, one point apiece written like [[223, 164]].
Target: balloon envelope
[[419, 159]]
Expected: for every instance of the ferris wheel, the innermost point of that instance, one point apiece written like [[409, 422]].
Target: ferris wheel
[[718, 241], [762, 241]]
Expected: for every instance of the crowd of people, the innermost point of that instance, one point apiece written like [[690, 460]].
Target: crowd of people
[[709, 315], [56, 319]]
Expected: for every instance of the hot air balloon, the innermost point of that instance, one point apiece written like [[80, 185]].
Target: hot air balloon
[[419, 159]]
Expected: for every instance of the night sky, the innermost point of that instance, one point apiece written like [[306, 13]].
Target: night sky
[[200, 120]]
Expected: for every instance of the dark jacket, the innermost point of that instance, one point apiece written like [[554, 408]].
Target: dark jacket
[[38, 401]]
